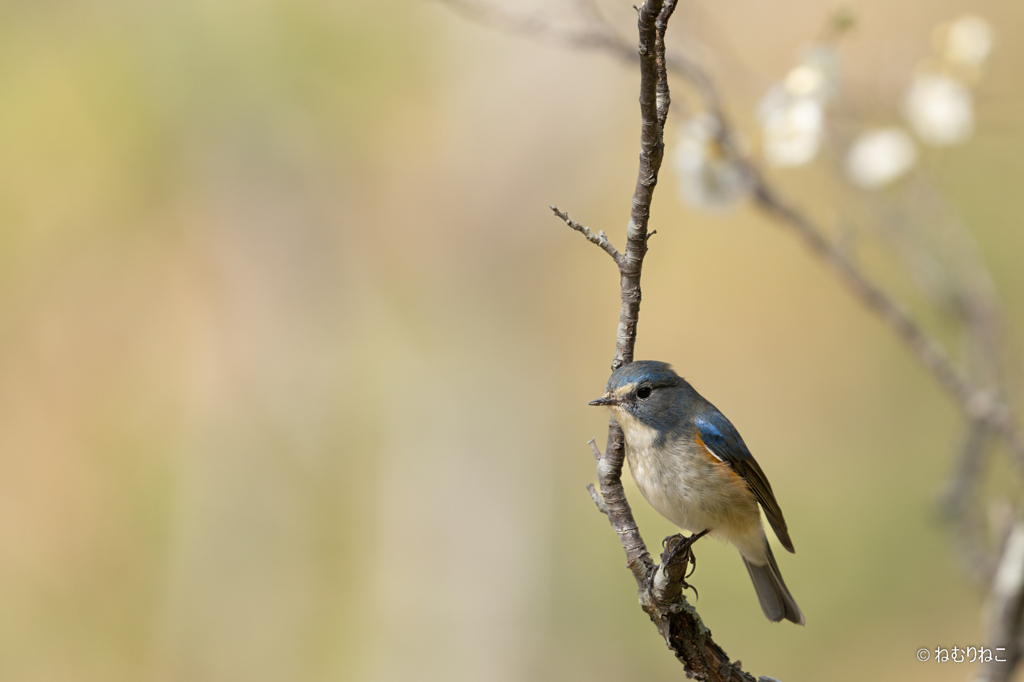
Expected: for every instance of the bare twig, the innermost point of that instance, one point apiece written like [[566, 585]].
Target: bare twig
[[601, 506], [600, 238]]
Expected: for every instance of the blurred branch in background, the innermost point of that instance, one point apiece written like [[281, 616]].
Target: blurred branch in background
[[717, 170]]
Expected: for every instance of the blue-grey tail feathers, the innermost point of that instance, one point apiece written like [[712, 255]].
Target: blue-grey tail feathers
[[776, 601]]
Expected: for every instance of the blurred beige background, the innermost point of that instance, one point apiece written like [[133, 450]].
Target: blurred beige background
[[294, 359]]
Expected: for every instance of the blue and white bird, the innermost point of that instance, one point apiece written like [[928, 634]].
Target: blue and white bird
[[693, 467]]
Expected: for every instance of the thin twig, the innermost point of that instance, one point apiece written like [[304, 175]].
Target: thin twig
[[601, 506], [600, 238]]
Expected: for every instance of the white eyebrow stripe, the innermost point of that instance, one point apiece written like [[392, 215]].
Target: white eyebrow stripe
[[713, 453]]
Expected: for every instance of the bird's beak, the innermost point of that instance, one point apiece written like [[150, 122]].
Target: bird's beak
[[606, 399]]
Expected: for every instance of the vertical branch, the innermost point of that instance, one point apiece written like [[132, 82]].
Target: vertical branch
[[659, 587], [652, 150], [683, 630]]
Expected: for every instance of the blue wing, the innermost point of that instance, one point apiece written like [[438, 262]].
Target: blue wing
[[724, 441]]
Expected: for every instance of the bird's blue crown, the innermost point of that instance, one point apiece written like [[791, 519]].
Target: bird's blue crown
[[654, 373]]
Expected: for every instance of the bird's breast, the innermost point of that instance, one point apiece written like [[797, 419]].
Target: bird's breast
[[687, 484]]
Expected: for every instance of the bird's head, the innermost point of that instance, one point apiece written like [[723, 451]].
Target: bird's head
[[646, 391]]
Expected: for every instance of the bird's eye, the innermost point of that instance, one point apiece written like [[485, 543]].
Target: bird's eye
[[644, 393]]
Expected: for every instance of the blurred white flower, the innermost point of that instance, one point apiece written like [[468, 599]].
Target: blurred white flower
[[792, 113], [791, 127], [817, 74], [939, 109], [708, 177], [969, 41], [805, 81], [878, 157]]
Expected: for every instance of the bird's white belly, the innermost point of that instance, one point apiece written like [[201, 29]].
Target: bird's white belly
[[692, 490], [672, 486]]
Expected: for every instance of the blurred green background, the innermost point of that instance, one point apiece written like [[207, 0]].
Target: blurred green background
[[294, 359]]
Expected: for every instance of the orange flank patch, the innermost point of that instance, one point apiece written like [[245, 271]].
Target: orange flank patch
[[715, 459]]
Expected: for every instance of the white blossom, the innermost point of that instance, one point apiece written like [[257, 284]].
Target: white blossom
[[940, 110], [879, 157], [817, 74], [968, 41], [805, 81], [791, 127], [708, 177], [792, 113]]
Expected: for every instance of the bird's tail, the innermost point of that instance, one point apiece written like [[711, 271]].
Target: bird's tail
[[776, 601]]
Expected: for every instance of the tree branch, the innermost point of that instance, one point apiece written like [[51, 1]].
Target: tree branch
[[976, 403]]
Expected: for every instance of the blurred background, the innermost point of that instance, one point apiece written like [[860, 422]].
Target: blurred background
[[294, 358]]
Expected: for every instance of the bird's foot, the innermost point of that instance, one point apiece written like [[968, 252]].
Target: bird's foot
[[678, 549], [680, 545]]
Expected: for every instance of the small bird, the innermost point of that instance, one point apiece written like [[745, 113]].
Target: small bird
[[693, 467]]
